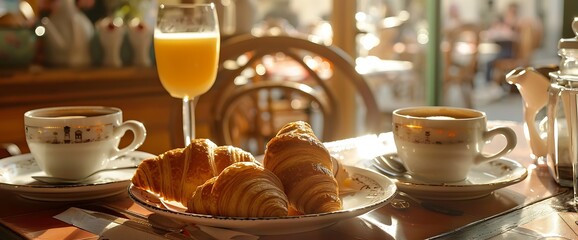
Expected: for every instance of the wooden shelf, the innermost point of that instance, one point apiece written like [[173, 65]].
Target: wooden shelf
[[137, 91], [57, 85]]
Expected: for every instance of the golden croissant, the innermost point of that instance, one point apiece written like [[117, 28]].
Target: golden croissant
[[243, 189], [305, 168], [175, 174]]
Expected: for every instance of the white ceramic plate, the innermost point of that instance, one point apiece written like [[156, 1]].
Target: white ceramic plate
[[16, 172], [374, 191], [482, 180]]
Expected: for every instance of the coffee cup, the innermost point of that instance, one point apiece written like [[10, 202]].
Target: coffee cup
[[441, 144], [74, 142]]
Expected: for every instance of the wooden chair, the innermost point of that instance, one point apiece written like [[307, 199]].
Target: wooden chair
[[251, 101], [460, 52], [251, 114], [530, 36]]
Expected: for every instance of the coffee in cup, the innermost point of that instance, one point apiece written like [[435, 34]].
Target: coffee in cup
[[441, 144], [73, 142]]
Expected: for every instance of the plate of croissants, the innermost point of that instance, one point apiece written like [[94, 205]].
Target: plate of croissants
[[297, 187]]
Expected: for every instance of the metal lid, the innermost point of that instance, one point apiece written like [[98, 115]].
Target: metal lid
[[566, 80], [566, 43]]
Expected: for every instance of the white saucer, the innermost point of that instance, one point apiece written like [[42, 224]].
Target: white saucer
[[482, 180], [16, 172], [373, 191]]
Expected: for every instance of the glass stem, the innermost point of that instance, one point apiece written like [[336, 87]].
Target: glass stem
[[188, 120]]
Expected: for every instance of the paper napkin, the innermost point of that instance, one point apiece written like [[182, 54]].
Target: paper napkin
[[111, 229], [221, 233], [103, 227]]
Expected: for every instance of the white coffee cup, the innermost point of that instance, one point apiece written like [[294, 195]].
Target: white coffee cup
[[441, 144], [73, 142]]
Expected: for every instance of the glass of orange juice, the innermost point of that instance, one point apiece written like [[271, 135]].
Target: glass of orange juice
[[186, 43]]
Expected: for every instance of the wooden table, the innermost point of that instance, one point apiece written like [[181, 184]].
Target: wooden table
[[533, 208], [397, 76]]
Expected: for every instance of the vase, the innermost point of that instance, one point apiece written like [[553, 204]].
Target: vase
[[68, 36], [111, 33], [140, 37]]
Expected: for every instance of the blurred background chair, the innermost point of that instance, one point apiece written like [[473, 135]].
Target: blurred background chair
[[252, 114], [530, 36], [460, 51], [265, 82]]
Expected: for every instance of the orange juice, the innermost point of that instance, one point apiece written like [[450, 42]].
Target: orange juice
[[187, 62]]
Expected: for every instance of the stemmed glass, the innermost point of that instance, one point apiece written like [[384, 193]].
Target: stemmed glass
[[186, 43]]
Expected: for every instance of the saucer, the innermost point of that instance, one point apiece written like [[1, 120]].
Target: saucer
[[16, 175], [482, 180]]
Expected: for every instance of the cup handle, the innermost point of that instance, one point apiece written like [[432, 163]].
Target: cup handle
[[511, 141], [139, 136]]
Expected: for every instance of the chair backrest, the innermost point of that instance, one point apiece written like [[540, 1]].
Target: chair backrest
[[270, 70], [461, 50], [529, 39], [251, 114], [461, 59]]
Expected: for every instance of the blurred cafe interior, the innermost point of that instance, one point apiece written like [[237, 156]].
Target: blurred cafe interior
[[408, 52], [342, 66]]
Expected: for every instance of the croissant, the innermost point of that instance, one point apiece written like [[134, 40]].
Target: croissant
[[243, 189], [175, 174], [305, 168]]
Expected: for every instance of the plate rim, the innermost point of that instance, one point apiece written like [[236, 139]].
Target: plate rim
[[389, 187]]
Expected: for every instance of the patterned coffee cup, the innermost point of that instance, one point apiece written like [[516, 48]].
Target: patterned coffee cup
[[73, 142], [441, 144]]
